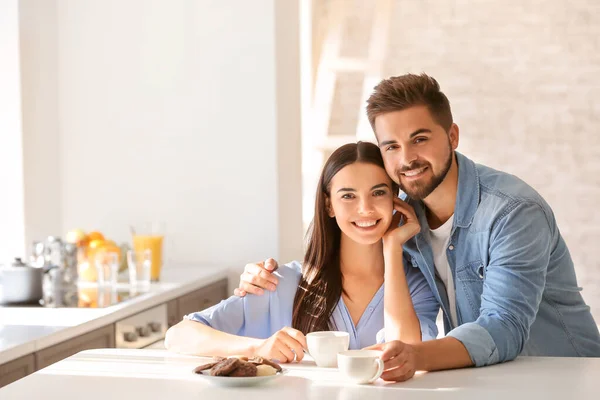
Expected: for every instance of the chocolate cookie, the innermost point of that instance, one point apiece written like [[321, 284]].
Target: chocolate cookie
[[259, 360], [256, 360], [204, 367], [245, 369], [224, 368]]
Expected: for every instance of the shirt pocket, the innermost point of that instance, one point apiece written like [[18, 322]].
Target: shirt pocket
[[473, 271], [469, 287]]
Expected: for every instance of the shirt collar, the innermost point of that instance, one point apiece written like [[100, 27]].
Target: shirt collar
[[467, 197]]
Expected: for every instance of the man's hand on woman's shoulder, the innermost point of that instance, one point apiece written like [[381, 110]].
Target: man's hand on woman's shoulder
[[257, 277]]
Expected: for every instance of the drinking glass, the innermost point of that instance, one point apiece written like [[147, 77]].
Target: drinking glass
[[150, 236], [107, 267], [140, 266]]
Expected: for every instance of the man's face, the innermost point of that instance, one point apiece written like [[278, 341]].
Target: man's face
[[417, 152]]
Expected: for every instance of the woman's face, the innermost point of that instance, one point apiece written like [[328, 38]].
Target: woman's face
[[361, 200]]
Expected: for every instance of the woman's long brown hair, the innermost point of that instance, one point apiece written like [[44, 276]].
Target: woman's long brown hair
[[320, 287]]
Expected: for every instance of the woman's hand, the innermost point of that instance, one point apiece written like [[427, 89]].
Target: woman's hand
[[397, 235], [284, 346]]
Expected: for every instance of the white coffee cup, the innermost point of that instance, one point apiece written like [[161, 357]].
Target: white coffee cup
[[324, 346], [360, 366]]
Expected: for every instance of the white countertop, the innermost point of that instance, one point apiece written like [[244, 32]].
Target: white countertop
[[24, 330], [157, 374]]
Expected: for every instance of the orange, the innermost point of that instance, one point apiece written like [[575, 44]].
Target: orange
[[96, 244], [95, 235], [76, 236]]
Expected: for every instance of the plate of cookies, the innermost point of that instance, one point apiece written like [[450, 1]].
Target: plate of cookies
[[239, 371]]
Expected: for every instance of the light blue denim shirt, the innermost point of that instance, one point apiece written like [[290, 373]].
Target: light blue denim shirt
[[262, 316], [516, 290]]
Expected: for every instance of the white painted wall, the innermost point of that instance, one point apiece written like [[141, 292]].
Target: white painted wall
[[39, 88], [181, 111], [12, 236]]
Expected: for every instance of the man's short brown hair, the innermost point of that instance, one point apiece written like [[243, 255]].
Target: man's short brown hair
[[401, 92]]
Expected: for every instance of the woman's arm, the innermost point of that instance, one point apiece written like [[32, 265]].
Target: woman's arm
[[400, 318], [244, 326], [195, 338]]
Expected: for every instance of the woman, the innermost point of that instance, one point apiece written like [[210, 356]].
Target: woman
[[354, 245]]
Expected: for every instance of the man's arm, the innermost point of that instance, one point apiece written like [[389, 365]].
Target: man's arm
[[441, 354], [515, 277], [402, 360], [512, 291]]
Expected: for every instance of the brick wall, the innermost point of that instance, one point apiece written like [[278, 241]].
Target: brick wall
[[523, 79]]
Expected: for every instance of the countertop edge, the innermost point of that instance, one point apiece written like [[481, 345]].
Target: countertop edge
[[17, 352]]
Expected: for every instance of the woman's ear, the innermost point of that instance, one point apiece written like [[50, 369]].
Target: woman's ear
[[329, 208]]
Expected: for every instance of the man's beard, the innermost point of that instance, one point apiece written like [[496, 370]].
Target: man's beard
[[418, 190]]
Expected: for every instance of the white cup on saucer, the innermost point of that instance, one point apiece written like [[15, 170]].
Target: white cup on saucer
[[360, 366], [324, 346]]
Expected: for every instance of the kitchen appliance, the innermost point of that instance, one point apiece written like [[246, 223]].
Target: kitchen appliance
[[143, 329], [60, 260]]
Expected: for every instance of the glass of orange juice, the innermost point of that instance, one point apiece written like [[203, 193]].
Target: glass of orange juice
[[150, 236]]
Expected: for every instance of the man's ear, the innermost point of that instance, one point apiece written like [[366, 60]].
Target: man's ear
[[453, 134], [329, 208]]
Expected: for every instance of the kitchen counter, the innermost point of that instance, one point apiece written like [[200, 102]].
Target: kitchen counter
[[158, 374], [24, 330]]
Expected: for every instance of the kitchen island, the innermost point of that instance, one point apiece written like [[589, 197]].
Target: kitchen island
[[33, 337], [158, 374]]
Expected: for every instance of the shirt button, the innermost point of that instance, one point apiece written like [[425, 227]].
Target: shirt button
[[370, 309], [451, 247]]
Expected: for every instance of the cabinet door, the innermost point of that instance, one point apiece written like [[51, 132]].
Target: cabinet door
[[98, 339], [16, 369], [173, 316], [202, 298]]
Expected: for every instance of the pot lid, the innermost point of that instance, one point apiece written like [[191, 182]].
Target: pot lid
[[18, 262]]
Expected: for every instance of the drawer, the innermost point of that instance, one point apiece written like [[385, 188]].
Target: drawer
[[202, 298]]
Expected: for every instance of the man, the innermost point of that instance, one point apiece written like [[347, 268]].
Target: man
[[489, 245]]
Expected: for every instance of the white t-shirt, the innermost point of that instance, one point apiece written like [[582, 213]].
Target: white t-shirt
[[440, 239]]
